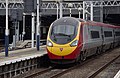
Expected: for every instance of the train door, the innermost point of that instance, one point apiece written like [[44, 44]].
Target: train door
[[102, 35]]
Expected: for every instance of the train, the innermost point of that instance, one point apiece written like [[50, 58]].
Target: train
[[72, 39]]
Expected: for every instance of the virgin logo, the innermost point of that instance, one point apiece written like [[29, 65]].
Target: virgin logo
[[61, 49]]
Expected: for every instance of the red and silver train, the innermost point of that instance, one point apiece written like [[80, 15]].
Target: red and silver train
[[71, 39]]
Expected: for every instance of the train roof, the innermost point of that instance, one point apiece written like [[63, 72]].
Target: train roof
[[102, 24], [93, 23], [98, 23]]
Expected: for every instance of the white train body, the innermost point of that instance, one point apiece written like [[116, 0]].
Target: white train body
[[99, 37]]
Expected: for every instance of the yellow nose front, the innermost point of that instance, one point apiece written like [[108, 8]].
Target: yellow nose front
[[61, 50]]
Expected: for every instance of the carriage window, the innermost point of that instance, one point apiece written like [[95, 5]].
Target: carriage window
[[108, 33], [117, 33], [95, 34]]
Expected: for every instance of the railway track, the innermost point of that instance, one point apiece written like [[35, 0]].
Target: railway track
[[54, 72], [93, 68], [103, 67], [70, 69], [79, 65], [39, 73]]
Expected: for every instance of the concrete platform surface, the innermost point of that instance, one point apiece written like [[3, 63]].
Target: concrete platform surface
[[21, 54]]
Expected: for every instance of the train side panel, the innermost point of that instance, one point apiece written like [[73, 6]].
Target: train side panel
[[92, 39], [117, 37], [108, 34]]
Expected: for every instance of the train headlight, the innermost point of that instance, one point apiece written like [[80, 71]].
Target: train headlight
[[74, 43], [49, 43]]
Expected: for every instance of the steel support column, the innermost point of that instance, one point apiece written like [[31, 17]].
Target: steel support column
[[6, 31], [57, 10], [91, 10], [61, 10], [79, 14], [101, 14], [33, 28], [38, 26], [83, 10], [70, 12], [23, 33]]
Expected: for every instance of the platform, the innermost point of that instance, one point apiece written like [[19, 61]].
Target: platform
[[21, 54]]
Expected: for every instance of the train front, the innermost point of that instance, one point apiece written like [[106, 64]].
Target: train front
[[63, 41]]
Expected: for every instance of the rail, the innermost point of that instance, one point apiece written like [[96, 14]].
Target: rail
[[54, 68], [103, 67], [39, 73]]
